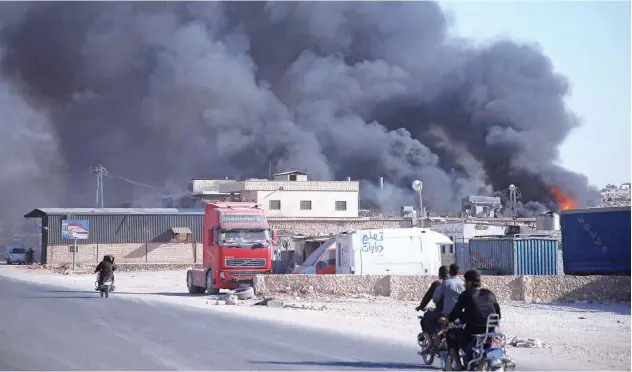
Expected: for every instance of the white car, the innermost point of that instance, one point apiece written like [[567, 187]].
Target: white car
[[15, 254]]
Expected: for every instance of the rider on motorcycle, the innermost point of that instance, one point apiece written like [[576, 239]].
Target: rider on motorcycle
[[105, 269], [430, 319], [449, 290], [473, 307]]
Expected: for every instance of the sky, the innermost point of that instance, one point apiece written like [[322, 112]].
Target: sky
[[588, 42]]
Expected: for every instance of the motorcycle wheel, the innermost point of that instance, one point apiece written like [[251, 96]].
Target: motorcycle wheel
[[107, 291], [425, 344], [486, 366], [449, 363]]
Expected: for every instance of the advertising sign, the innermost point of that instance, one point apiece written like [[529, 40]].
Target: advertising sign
[[74, 229]]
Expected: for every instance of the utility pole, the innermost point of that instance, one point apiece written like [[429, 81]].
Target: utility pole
[[513, 199], [100, 171]]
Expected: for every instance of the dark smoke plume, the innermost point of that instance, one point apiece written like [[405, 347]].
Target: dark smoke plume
[[163, 92]]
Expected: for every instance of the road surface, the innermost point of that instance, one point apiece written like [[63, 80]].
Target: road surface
[[48, 328]]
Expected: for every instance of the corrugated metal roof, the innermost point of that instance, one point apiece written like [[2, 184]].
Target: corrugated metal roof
[[291, 172], [181, 230], [41, 212]]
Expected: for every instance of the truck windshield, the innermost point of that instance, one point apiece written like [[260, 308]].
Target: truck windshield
[[246, 238], [18, 251]]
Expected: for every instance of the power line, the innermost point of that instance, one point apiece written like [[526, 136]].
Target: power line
[[103, 172]]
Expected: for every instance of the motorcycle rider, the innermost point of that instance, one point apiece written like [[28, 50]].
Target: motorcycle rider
[[449, 290], [105, 269], [430, 319], [473, 307]]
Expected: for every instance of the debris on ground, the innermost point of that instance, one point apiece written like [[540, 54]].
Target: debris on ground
[[532, 343], [231, 299]]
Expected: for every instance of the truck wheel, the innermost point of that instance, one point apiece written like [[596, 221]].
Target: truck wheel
[[210, 288], [192, 288]]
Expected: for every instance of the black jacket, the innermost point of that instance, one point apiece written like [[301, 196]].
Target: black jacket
[[106, 269], [473, 307], [428, 297]]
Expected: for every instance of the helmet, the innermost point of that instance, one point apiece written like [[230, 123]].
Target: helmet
[[106, 257], [111, 257]]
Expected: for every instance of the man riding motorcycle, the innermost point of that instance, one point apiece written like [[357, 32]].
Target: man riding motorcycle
[[449, 290], [430, 319], [105, 269], [473, 307]]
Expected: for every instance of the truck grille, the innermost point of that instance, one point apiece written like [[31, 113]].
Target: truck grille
[[245, 262], [243, 274]]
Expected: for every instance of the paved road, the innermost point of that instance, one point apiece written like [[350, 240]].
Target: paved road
[[48, 328]]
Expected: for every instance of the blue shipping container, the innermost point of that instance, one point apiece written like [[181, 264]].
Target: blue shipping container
[[596, 241], [515, 256]]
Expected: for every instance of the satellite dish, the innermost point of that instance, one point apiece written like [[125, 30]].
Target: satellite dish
[[417, 185]]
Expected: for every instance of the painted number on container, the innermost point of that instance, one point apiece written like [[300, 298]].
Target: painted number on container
[[595, 237], [372, 243]]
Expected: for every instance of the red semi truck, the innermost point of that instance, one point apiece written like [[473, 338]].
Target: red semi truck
[[237, 245]]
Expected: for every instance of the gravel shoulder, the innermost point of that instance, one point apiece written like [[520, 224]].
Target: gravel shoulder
[[578, 336]]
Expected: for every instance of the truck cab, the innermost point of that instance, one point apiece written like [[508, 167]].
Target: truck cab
[[237, 245]]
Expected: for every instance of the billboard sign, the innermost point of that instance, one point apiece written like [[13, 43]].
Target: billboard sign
[[74, 229]]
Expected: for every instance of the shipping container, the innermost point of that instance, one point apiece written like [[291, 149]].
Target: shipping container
[[596, 241], [515, 255]]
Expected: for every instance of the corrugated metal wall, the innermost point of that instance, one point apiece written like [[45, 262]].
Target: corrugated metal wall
[[492, 254], [515, 256], [462, 252], [535, 256], [127, 228]]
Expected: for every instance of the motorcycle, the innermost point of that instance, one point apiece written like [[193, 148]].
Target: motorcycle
[[487, 351], [107, 287], [425, 344]]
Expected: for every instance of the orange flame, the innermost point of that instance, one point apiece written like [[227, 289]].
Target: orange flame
[[565, 201]]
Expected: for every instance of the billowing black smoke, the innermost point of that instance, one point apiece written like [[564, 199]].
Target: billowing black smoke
[[163, 92]]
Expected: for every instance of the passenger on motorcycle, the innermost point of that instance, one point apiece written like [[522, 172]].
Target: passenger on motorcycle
[[449, 290], [430, 320], [473, 307], [105, 269]]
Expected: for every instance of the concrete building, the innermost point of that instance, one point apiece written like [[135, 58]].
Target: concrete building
[[132, 235], [290, 194], [208, 190], [481, 206]]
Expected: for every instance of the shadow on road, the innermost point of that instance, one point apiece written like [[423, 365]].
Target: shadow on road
[[59, 297], [170, 294], [360, 365]]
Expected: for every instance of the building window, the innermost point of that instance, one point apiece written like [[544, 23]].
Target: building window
[[275, 205], [341, 205], [306, 205]]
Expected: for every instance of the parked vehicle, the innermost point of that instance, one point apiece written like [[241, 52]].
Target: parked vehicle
[[15, 254], [325, 255], [237, 245], [596, 241], [404, 251], [488, 351]]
